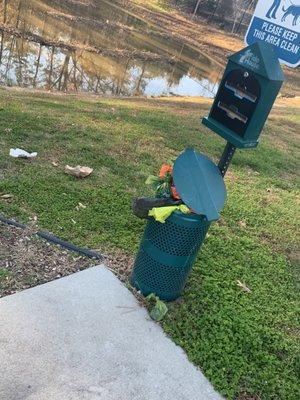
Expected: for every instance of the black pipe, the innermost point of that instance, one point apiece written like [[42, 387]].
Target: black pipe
[[53, 239]]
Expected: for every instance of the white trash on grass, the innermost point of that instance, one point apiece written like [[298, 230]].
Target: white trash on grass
[[79, 171], [20, 153]]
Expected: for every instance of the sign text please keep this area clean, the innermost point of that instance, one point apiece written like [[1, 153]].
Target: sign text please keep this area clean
[[277, 22]]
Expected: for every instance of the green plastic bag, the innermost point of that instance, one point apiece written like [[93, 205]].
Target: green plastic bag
[[159, 310], [162, 186]]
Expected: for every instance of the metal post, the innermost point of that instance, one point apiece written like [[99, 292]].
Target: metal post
[[226, 158]]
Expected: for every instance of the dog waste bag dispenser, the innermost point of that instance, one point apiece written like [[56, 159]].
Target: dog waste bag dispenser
[[168, 251], [251, 82], [247, 92]]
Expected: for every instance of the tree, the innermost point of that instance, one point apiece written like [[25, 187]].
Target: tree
[[196, 7], [234, 14]]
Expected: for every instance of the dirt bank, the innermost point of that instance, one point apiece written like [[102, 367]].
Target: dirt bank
[[204, 37]]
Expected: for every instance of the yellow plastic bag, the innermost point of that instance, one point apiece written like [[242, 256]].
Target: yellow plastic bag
[[161, 214]]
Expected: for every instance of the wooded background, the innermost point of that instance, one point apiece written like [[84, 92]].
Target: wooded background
[[233, 15]]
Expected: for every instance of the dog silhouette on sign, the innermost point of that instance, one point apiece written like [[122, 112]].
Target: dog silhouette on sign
[[273, 9], [291, 10], [246, 57]]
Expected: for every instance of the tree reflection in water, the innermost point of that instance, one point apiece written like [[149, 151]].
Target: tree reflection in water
[[79, 46]]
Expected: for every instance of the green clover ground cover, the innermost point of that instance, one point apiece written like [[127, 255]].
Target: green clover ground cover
[[247, 344]]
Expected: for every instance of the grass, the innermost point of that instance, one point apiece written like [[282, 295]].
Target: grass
[[3, 274], [247, 344]]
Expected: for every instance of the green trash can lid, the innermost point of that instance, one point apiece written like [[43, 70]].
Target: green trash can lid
[[200, 184]]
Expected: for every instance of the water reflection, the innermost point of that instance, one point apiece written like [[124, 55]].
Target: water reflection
[[96, 47]]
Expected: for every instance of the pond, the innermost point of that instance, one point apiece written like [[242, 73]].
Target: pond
[[97, 47]]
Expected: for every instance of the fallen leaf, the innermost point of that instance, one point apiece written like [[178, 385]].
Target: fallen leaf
[[243, 287], [79, 171], [54, 164]]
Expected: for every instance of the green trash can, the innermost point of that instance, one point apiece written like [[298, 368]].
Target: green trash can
[[167, 254], [168, 251]]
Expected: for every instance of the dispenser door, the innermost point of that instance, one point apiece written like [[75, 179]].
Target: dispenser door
[[237, 100]]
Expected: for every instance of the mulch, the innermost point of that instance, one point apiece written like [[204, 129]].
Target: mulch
[[27, 261]]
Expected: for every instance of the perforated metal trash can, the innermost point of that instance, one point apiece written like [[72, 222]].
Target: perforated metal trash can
[[167, 254]]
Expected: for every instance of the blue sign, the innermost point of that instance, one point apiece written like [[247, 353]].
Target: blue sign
[[277, 22]]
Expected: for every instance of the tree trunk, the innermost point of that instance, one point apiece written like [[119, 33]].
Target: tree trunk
[[196, 7], [250, 4], [4, 10], [1, 47], [49, 80], [215, 10]]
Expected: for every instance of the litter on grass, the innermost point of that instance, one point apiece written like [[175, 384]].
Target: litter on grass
[[7, 196], [159, 308], [79, 171], [243, 286], [80, 206], [20, 153]]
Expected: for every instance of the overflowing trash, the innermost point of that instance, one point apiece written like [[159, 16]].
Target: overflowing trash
[[143, 205], [161, 214], [20, 153], [167, 198], [193, 185], [189, 196], [163, 184]]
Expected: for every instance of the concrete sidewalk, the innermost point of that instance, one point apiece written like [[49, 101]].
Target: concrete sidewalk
[[85, 337]]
